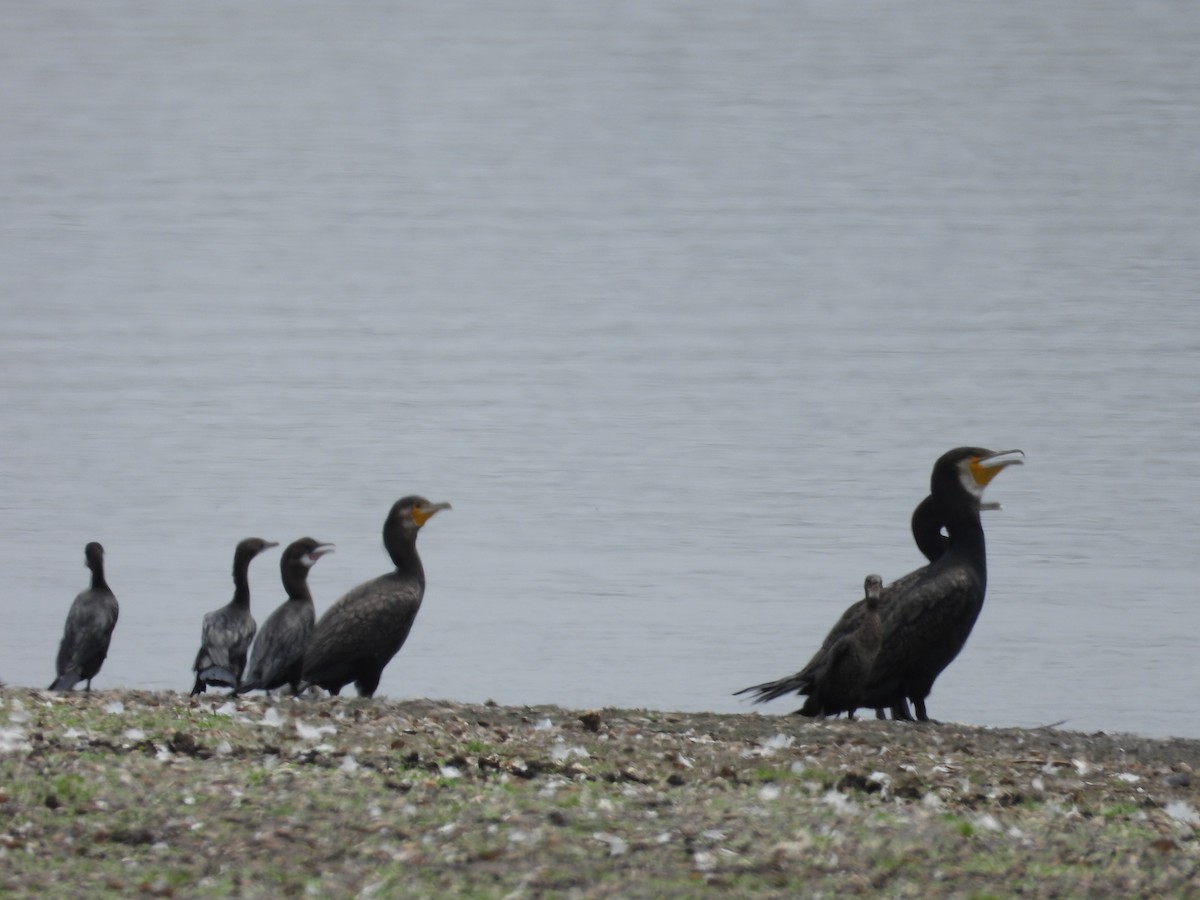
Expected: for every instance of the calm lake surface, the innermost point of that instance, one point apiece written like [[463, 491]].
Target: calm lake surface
[[676, 302]]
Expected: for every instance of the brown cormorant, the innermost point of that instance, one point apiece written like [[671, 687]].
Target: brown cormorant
[[928, 614], [279, 651], [361, 633], [226, 633], [846, 665], [89, 628]]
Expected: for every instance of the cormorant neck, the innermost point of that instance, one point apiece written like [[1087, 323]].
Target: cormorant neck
[[295, 582], [98, 582], [966, 535], [927, 530], [403, 551], [241, 583]]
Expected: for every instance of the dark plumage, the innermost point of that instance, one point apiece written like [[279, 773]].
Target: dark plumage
[[361, 633], [926, 526], [89, 628], [226, 633], [279, 651], [929, 534], [926, 529], [926, 626], [928, 614], [846, 665]]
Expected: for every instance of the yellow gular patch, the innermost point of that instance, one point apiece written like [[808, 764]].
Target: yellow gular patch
[[422, 514], [983, 474]]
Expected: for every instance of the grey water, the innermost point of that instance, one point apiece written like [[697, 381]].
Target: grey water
[[675, 302]]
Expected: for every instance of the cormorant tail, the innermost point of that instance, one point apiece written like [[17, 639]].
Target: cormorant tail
[[217, 675], [66, 681]]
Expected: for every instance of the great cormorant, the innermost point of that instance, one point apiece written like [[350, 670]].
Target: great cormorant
[[226, 633], [926, 527], [279, 651], [89, 628], [928, 614], [926, 626], [361, 633]]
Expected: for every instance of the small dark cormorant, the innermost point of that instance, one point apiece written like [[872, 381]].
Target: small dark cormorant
[[846, 665], [279, 651], [928, 614], [361, 633], [89, 628], [226, 633]]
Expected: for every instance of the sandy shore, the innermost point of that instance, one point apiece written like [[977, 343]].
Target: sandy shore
[[121, 793]]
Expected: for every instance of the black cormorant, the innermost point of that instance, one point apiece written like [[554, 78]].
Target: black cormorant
[[89, 628], [926, 625], [360, 633], [279, 651], [928, 614], [926, 527], [226, 633]]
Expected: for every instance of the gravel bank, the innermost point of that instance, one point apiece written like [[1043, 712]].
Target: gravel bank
[[119, 793]]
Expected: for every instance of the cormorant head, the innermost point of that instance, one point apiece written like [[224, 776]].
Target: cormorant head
[[93, 555], [411, 512], [872, 587], [303, 554], [972, 469], [247, 550]]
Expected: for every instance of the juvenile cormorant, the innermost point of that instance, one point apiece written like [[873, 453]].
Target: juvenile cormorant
[[846, 665], [928, 614], [361, 633], [89, 628], [226, 633], [279, 651]]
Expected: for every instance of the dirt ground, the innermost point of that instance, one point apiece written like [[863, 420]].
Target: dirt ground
[[126, 793]]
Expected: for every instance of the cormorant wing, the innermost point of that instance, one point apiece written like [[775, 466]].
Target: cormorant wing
[[281, 642], [847, 624], [370, 622], [834, 659], [901, 585], [920, 629], [212, 645], [89, 627], [225, 638], [803, 680]]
